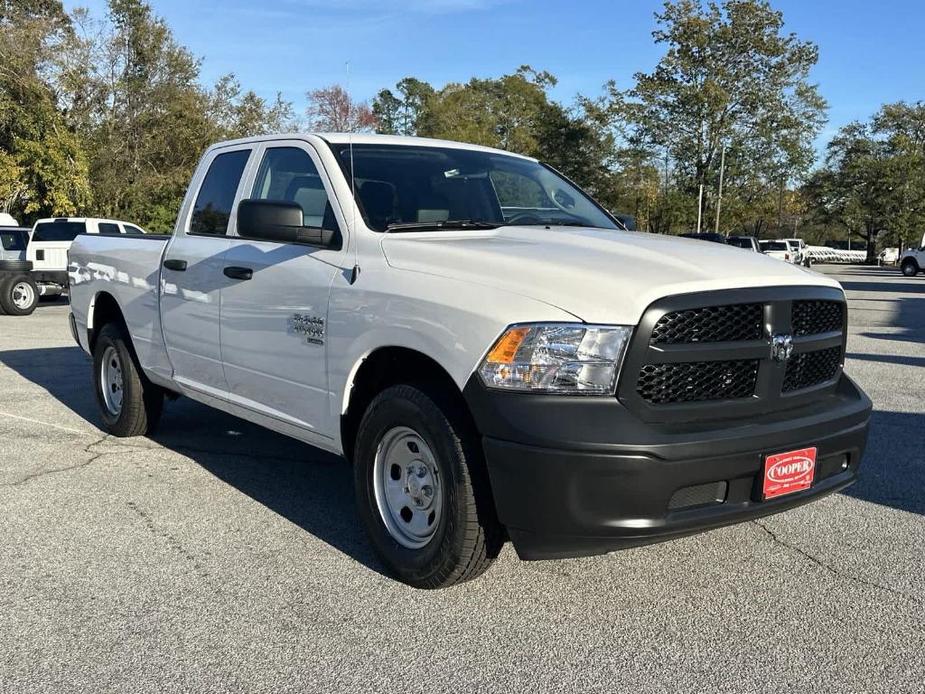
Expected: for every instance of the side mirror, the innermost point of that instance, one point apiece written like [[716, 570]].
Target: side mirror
[[278, 220]]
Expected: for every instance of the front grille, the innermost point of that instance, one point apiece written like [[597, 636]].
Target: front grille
[[812, 317], [811, 368], [697, 381], [709, 324], [708, 354]]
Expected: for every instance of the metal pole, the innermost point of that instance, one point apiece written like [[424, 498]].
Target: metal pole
[[699, 206], [719, 194]]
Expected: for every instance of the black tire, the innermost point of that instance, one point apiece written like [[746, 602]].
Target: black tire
[[910, 268], [15, 265], [468, 536], [15, 289], [141, 401]]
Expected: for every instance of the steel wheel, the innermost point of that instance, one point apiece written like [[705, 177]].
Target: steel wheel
[[23, 295], [408, 488], [111, 384]]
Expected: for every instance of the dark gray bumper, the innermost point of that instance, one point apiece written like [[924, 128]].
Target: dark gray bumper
[[578, 476]]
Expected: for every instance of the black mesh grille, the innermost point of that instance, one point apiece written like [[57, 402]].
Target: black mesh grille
[[812, 368], [811, 317], [709, 324], [698, 495], [697, 381]]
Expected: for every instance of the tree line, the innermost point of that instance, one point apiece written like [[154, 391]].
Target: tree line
[[109, 115]]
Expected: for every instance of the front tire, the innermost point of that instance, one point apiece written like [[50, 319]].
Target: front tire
[[910, 268], [422, 491], [19, 295], [130, 405]]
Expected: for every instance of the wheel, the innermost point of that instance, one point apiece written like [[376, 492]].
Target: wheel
[[910, 268], [15, 265], [422, 491], [19, 295], [129, 404]]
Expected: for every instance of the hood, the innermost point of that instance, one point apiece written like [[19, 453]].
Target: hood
[[600, 276]]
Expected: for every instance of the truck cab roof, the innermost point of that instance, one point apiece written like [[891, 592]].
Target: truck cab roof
[[367, 139]]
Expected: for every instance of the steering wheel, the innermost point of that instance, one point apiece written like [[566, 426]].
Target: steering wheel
[[525, 218]]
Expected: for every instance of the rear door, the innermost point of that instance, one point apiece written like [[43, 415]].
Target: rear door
[[191, 277], [274, 323], [50, 243]]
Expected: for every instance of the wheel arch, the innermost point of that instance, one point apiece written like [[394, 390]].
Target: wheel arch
[[387, 366], [104, 308]]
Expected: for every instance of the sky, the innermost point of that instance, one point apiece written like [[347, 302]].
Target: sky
[[870, 52]]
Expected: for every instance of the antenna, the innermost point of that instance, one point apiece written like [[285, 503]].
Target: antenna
[[355, 273]]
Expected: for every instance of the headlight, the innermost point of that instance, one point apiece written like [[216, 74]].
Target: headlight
[[568, 358]]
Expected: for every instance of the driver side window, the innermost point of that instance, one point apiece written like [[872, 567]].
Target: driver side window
[[289, 174], [518, 193]]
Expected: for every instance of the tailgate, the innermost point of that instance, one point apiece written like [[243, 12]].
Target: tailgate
[[48, 255]]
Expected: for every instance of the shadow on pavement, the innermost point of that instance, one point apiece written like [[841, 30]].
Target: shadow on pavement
[[309, 487], [899, 359], [893, 469]]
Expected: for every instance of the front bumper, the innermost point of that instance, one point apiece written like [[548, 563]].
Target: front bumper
[[577, 476]]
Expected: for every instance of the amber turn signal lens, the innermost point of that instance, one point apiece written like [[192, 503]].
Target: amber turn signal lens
[[506, 348]]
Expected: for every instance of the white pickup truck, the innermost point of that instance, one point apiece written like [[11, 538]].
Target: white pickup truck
[[496, 358], [912, 260]]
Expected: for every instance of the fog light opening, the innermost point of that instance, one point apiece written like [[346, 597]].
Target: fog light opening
[[845, 463]]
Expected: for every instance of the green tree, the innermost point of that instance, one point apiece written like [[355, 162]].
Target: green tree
[[43, 167], [405, 113], [729, 76], [872, 184], [237, 113]]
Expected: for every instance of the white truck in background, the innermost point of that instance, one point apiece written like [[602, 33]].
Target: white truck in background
[[44, 269], [480, 339], [912, 261]]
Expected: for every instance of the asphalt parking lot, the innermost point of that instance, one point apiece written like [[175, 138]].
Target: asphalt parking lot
[[222, 557]]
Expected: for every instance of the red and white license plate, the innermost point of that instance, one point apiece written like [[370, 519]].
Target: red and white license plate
[[785, 473]]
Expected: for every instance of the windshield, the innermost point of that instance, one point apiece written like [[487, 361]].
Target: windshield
[[436, 186], [58, 231], [14, 240]]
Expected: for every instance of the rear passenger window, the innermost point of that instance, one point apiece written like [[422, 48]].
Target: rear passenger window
[[216, 196], [109, 229], [288, 173]]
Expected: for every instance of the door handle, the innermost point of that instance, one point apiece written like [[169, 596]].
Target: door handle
[[238, 273], [175, 264]]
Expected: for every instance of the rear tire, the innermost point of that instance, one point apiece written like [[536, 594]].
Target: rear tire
[[910, 268], [421, 489], [130, 405], [19, 294]]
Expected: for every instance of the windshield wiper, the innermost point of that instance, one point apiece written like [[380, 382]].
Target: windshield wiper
[[439, 226]]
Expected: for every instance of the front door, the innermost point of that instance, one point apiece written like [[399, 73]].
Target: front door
[[274, 318], [192, 278]]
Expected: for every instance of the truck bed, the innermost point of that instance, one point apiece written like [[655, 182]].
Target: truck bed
[[128, 268]]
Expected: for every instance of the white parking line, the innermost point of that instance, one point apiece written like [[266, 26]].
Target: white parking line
[[47, 424]]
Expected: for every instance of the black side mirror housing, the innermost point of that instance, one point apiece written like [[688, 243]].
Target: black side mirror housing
[[278, 220]]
